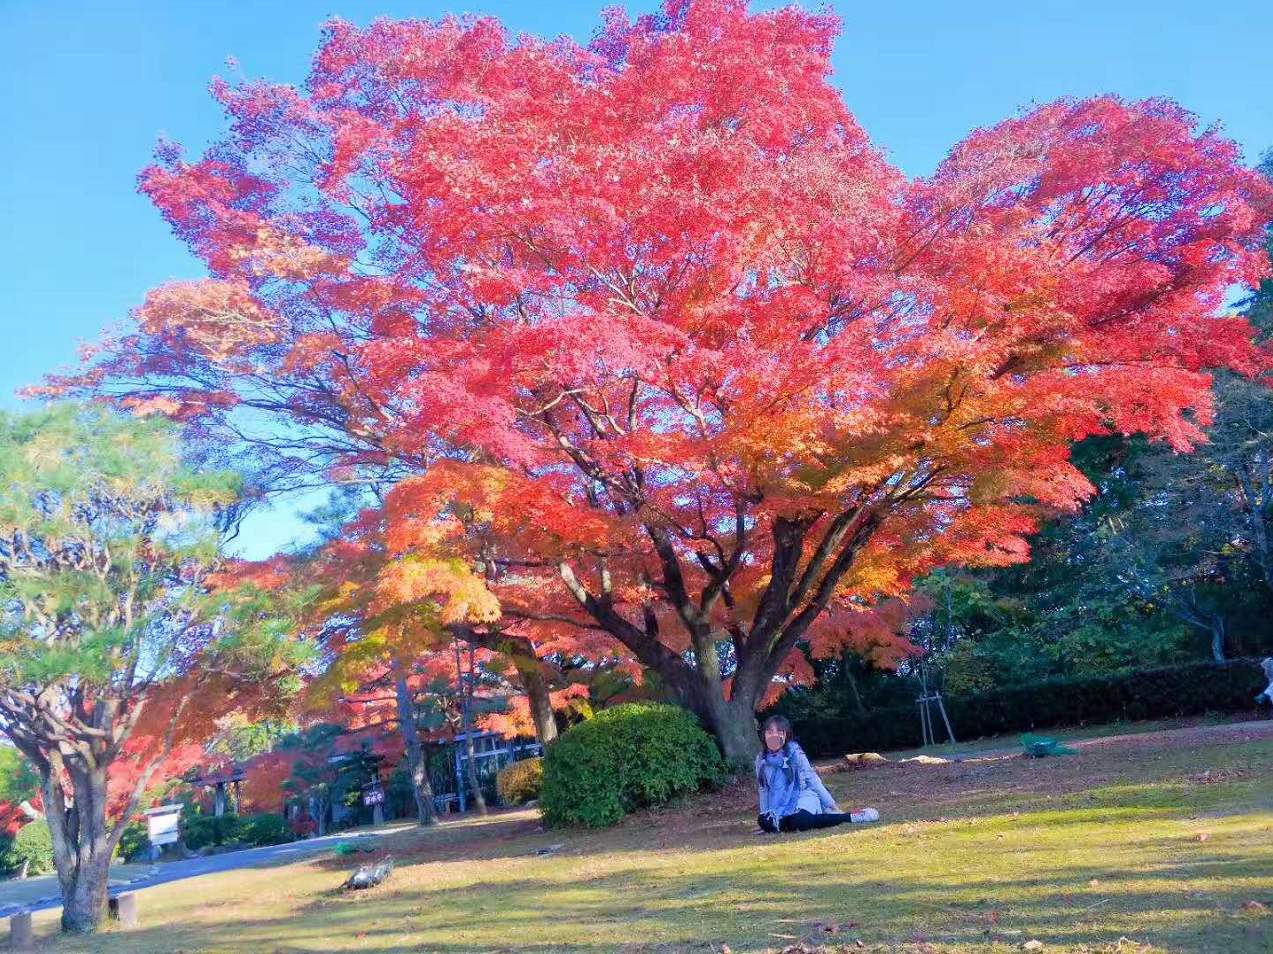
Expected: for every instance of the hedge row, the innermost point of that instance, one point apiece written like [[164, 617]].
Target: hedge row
[[1163, 692], [200, 831]]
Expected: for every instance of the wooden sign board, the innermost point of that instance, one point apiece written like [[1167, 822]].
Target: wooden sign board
[[162, 824]]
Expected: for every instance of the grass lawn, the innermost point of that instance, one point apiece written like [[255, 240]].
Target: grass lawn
[[1164, 841]]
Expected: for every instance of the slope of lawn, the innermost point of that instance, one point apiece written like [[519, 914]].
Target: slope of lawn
[[1158, 842]]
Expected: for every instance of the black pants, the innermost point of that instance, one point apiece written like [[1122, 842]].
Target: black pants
[[804, 821]]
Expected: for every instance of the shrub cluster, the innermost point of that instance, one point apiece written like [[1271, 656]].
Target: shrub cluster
[[520, 782], [265, 829], [828, 727], [625, 758], [200, 831], [134, 841], [33, 843]]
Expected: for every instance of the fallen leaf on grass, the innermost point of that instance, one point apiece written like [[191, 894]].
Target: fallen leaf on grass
[[1255, 907], [1124, 945]]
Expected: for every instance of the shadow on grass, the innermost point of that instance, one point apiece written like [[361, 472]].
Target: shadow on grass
[[626, 910]]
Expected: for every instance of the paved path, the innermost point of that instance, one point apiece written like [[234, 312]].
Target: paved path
[[195, 867]]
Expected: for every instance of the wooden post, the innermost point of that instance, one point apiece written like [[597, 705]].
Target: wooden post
[[941, 707], [123, 907], [925, 717], [21, 932]]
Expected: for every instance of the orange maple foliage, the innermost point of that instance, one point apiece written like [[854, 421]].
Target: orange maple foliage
[[516, 721]]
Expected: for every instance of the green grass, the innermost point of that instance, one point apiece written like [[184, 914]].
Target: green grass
[[1159, 843]]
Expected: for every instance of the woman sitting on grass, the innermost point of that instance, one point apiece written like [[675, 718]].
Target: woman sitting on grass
[[792, 796]]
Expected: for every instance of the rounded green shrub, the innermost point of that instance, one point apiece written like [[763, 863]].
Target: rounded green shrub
[[133, 841], [629, 757], [520, 782], [33, 843], [265, 829]]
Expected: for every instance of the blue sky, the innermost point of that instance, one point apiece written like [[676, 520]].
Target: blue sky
[[92, 85]]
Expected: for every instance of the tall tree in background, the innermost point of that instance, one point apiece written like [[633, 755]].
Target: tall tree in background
[[1246, 441], [1187, 536], [1200, 543], [382, 606], [662, 343], [114, 657]]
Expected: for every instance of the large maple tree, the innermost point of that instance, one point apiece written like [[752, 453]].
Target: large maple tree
[[651, 331]]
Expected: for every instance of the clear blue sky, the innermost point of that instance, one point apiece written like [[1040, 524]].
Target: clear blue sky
[[91, 85]]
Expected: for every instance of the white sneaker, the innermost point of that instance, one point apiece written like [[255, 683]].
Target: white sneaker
[[864, 815]]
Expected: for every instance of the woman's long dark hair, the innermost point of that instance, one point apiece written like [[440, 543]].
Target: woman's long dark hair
[[783, 723]]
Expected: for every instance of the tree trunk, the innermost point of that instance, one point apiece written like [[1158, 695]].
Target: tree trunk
[[537, 692], [84, 899], [731, 721], [470, 765], [530, 670], [81, 845], [858, 708], [421, 787], [471, 762], [735, 730], [799, 589], [1217, 640]]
